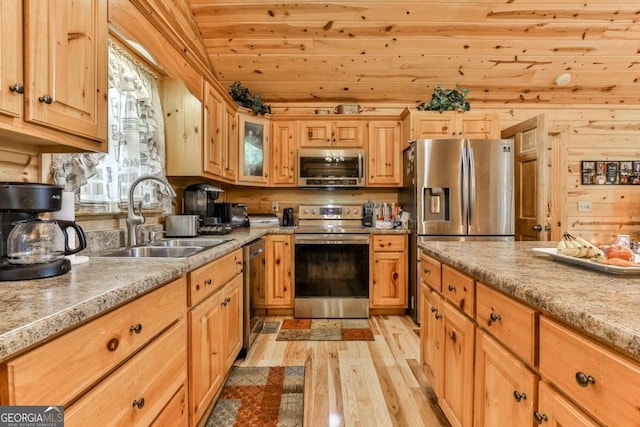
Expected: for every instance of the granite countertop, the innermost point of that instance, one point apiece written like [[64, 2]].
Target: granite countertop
[[36, 310], [603, 305]]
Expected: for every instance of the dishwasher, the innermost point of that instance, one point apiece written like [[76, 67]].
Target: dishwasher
[[255, 297]]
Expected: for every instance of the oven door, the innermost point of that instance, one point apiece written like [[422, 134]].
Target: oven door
[[332, 275]]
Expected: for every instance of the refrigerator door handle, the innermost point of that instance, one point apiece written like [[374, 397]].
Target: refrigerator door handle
[[464, 181], [472, 183]]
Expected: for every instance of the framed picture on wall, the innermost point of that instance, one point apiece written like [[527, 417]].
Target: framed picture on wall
[[612, 173], [626, 169], [588, 172]]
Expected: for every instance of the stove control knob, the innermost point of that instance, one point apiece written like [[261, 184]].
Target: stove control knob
[[306, 211], [348, 211], [355, 211], [313, 211]]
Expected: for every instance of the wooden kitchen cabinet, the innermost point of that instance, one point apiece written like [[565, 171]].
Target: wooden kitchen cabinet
[[459, 289], [450, 124], [384, 155], [332, 133], [201, 132], [430, 271], [42, 375], [505, 389], [279, 260], [284, 148], [554, 410], [591, 375], [59, 85], [215, 328], [253, 157], [457, 351], [431, 337], [388, 286]]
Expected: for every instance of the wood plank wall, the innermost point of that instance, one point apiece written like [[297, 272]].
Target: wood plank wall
[[19, 162]]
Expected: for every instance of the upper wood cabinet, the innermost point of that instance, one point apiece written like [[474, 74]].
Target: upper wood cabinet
[[450, 124], [283, 159], [11, 74], [63, 86], [201, 137], [253, 136], [384, 154], [332, 133]]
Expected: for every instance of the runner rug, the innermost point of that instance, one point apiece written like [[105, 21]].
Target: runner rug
[[261, 397], [325, 330]]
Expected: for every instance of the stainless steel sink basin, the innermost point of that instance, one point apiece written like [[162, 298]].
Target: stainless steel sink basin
[[153, 252], [207, 243]]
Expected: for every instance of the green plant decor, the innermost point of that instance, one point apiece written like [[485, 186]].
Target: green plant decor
[[243, 97], [447, 100]]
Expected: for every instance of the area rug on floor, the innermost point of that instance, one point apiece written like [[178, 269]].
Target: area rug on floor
[[261, 397], [325, 330]]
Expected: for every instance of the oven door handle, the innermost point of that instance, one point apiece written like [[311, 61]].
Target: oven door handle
[[338, 240]]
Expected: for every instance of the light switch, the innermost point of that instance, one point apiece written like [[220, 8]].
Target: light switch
[[584, 206]]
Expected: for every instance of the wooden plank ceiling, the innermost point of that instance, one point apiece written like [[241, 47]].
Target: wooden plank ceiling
[[508, 51]]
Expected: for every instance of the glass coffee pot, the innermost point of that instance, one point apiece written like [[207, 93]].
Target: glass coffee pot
[[40, 241]]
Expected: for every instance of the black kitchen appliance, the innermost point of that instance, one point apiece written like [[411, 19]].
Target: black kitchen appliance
[[20, 204], [199, 199], [287, 217]]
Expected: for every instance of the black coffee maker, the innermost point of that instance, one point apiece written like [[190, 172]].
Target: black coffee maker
[[20, 202], [199, 199]]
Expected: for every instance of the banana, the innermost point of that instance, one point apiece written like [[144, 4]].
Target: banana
[[595, 252], [572, 248]]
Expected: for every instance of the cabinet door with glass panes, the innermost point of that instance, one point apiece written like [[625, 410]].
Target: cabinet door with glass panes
[[253, 153]]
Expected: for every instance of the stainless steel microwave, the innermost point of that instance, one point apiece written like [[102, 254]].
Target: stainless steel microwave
[[331, 168]]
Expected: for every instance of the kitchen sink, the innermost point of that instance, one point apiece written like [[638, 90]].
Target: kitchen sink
[[208, 243], [152, 252]]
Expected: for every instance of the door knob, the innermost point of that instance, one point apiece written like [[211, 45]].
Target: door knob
[[537, 227]]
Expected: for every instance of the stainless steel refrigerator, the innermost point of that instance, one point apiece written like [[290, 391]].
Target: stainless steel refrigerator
[[456, 189]]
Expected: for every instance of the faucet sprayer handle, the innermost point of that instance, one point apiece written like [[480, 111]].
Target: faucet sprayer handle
[[142, 218]]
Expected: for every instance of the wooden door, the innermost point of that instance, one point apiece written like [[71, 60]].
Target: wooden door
[[384, 154], [206, 370], [532, 199], [230, 171], [214, 111], [431, 336], [389, 281], [505, 389], [554, 410], [232, 315], [456, 399], [350, 134], [284, 146], [315, 133], [279, 259], [11, 74], [66, 65]]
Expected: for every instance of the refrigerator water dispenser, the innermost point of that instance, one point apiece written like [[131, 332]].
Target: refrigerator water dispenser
[[437, 203]]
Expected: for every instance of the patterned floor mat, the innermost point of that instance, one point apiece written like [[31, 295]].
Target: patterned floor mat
[[261, 397], [325, 330]]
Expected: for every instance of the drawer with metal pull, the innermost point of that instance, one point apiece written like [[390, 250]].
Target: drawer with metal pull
[[63, 368], [458, 288], [207, 279], [512, 323], [430, 272], [604, 383]]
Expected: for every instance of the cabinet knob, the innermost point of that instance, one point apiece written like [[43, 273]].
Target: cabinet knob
[[136, 328], [539, 418], [433, 309], [426, 271], [451, 288], [139, 403], [453, 336], [493, 317], [208, 281], [17, 88], [46, 99], [519, 396], [584, 380], [438, 316]]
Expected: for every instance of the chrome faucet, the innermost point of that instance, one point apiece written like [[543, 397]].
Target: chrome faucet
[[133, 220]]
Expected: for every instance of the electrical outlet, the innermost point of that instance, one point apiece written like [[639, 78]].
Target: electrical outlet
[[584, 206], [275, 207]]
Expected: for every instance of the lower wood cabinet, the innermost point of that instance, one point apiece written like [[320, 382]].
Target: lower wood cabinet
[[279, 258], [139, 390], [431, 336], [457, 350], [215, 339], [176, 412], [505, 389], [388, 285], [554, 410]]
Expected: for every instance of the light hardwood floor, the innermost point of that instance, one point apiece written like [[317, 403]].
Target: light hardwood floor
[[358, 383]]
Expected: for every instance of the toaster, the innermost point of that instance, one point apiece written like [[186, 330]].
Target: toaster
[[182, 225]]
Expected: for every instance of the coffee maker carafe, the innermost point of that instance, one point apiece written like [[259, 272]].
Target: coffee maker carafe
[[31, 248]]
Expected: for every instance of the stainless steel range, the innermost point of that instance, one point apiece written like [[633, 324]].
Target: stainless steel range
[[331, 262]]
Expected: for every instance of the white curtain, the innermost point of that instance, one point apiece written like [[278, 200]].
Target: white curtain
[[136, 143]]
